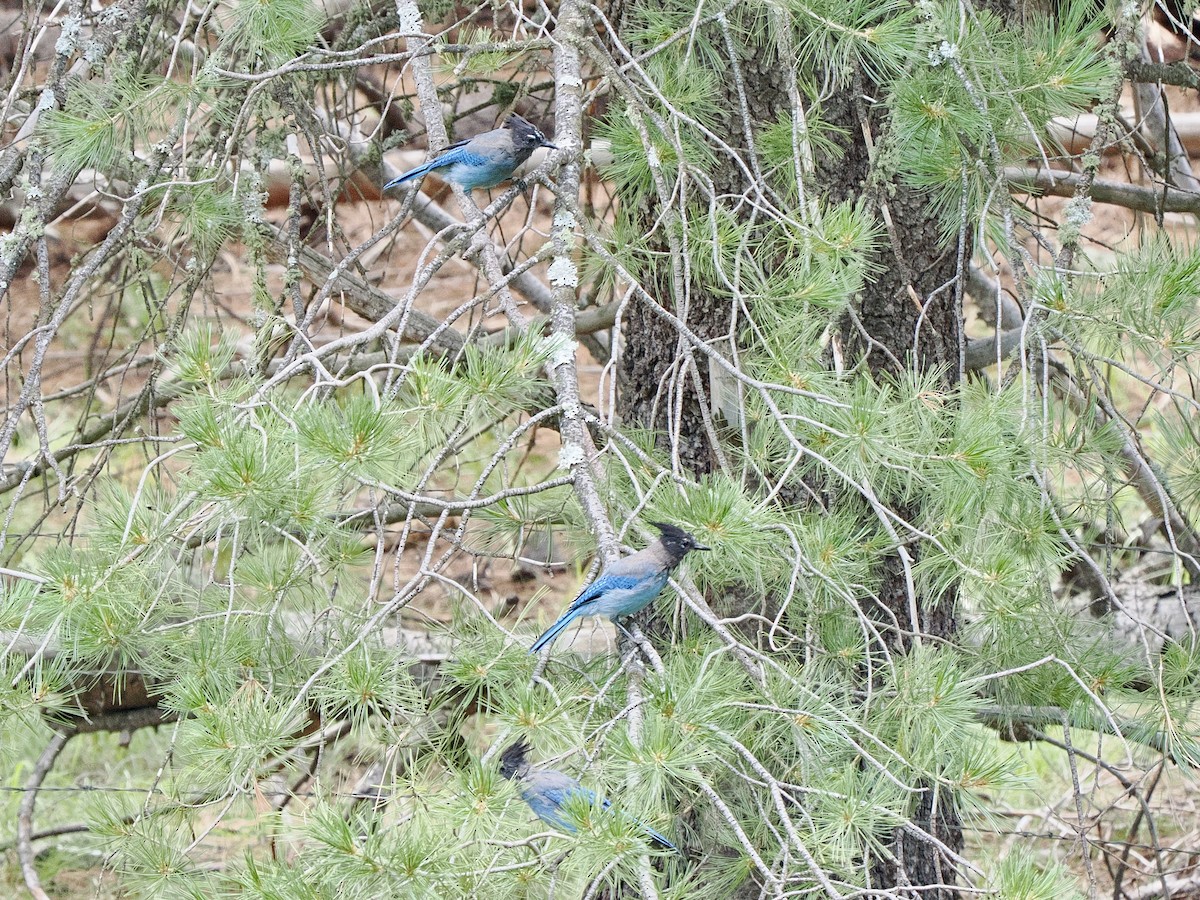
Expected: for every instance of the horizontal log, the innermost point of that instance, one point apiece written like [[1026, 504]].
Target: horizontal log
[[1056, 183], [1075, 135]]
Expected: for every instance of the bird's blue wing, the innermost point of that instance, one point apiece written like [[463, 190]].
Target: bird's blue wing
[[602, 586], [560, 795], [547, 804], [455, 153], [654, 836], [609, 595], [458, 153]]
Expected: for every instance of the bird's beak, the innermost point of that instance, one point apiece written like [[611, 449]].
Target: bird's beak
[[546, 143], [700, 547]]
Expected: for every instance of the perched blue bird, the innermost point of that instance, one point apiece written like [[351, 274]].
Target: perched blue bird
[[546, 790], [484, 160], [628, 584]]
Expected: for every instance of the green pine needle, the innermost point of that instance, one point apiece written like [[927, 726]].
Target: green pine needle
[[267, 33]]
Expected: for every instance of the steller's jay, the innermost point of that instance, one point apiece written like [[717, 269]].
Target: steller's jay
[[628, 584], [546, 790], [484, 160]]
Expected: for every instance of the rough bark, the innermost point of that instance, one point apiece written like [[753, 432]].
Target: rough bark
[[651, 351], [909, 316]]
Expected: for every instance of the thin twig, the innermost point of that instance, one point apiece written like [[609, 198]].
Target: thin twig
[[41, 769]]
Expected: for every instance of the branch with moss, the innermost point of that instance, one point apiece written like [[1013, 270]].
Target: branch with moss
[[1181, 73], [1021, 723]]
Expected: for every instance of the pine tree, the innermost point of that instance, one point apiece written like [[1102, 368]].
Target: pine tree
[[257, 551]]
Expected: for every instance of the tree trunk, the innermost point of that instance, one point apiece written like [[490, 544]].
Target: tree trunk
[[909, 316], [651, 358]]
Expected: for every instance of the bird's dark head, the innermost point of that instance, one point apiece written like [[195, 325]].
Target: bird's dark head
[[512, 760], [525, 137], [677, 541]]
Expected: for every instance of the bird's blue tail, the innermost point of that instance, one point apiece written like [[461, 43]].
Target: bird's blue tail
[[655, 838], [435, 163], [661, 841], [554, 631]]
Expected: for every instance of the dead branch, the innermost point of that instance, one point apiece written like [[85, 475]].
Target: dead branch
[[365, 299], [1147, 613], [1180, 74], [1150, 488], [1102, 190]]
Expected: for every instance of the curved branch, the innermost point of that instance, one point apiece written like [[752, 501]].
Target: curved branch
[[984, 352]]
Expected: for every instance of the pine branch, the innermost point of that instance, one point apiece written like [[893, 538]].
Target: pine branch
[[578, 453], [1002, 718], [31, 390], [994, 304], [51, 191]]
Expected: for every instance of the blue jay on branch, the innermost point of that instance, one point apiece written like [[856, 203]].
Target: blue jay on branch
[[628, 584], [484, 160], [546, 790]]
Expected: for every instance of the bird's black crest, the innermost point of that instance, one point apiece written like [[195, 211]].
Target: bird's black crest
[[512, 760], [677, 541], [525, 134]]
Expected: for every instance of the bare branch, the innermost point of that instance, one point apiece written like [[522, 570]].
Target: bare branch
[[33, 785], [1102, 190]]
